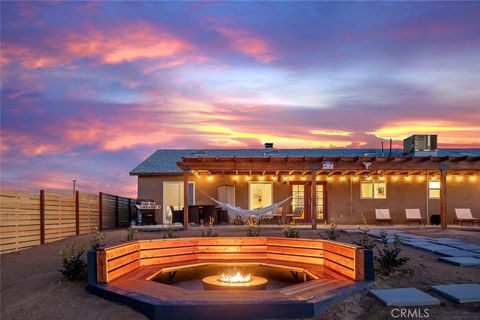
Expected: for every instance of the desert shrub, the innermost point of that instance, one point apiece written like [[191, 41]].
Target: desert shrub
[[131, 234], [365, 240], [170, 234], [74, 267], [332, 232], [210, 232], [388, 256], [290, 231], [97, 239], [252, 230]]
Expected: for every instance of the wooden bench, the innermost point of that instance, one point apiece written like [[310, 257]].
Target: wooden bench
[[116, 261]]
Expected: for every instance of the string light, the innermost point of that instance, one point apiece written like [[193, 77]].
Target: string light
[[394, 178], [235, 177], [473, 178], [408, 178], [420, 178], [342, 178], [355, 178], [247, 178], [304, 178], [210, 178], [261, 178], [459, 178]]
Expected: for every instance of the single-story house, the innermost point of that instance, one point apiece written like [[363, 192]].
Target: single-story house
[[326, 185]]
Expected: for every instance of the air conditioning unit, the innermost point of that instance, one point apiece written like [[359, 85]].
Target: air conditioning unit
[[420, 143]]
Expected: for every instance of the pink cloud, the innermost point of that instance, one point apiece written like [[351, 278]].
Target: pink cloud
[[247, 42]]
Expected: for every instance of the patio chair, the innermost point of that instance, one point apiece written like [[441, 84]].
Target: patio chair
[[414, 215], [383, 215], [465, 215]]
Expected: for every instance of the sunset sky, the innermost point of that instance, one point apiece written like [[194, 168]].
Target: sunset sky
[[90, 89]]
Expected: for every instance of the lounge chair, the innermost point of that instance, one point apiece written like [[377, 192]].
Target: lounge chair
[[383, 215], [414, 215], [296, 214], [465, 215]]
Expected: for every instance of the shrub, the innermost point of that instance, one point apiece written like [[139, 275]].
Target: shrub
[[210, 232], [252, 230], [332, 232], [131, 234], [97, 239], [170, 231], [365, 240], [387, 257], [290, 231], [74, 267]]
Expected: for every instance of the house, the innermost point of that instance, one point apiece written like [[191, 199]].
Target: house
[[341, 185]]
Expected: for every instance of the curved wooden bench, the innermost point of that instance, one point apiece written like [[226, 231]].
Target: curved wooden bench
[[116, 261]]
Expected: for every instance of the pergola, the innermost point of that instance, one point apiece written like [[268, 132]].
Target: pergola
[[312, 167]]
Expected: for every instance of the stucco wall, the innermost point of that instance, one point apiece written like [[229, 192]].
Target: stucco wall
[[343, 196]]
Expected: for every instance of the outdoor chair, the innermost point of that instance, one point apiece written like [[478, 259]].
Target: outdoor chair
[[414, 215], [465, 215], [383, 216]]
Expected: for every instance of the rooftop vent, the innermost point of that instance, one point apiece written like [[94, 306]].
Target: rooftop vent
[[268, 145], [420, 144]]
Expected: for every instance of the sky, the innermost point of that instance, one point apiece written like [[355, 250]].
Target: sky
[[90, 89]]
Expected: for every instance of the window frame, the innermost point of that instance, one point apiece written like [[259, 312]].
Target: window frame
[[430, 190], [372, 183]]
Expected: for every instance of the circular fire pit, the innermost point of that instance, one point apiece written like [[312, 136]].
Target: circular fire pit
[[235, 282]]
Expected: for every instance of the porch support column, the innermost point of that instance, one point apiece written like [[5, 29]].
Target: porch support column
[[313, 206], [185, 200], [443, 198]]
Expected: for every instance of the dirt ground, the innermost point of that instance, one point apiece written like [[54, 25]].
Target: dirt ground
[[32, 287]]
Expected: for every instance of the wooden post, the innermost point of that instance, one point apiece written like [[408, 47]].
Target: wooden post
[[313, 203], [100, 209], [117, 218], [77, 213], [42, 216], [443, 198], [185, 200]]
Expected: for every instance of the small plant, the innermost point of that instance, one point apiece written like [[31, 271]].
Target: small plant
[[131, 234], [97, 239], [74, 267], [252, 230], [210, 232], [332, 232], [365, 240], [170, 234], [290, 231], [388, 257]]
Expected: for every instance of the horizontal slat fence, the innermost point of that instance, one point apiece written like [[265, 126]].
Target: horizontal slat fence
[[31, 219]]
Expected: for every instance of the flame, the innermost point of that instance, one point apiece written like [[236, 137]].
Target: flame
[[237, 278]]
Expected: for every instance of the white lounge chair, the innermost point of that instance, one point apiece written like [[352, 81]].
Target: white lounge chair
[[414, 215], [383, 215], [465, 215]]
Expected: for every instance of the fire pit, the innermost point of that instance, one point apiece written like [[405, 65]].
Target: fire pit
[[237, 281]]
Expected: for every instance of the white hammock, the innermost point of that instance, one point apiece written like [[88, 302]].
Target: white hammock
[[234, 212]]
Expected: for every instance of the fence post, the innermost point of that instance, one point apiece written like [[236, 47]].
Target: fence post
[[117, 218], [42, 216], [77, 213], [129, 211], [100, 209]]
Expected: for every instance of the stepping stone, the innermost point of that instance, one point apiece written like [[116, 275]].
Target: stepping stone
[[456, 253], [404, 297], [460, 293], [461, 261], [432, 248], [466, 246], [447, 242]]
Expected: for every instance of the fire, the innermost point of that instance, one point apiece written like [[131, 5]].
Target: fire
[[237, 278]]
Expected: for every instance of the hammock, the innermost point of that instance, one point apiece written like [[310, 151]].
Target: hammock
[[234, 212]]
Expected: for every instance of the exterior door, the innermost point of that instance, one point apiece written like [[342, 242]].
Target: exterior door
[[301, 201]]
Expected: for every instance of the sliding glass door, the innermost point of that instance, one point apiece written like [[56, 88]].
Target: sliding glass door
[[173, 197]]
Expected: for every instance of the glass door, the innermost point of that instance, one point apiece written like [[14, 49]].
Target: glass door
[[301, 201]]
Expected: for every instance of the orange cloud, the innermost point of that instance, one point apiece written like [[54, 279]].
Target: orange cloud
[[247, 43]]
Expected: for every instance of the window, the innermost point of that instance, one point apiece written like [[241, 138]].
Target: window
[[260, 194], [173, 197], [298, 198], [373, 189], [434, 189]]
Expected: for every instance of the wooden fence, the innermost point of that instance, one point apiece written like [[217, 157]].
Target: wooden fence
[[27, 219]]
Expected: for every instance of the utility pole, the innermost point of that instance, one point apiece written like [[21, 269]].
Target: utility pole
[[74, 182]]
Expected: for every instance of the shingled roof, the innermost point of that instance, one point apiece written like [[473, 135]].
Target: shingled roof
[[164, 161]]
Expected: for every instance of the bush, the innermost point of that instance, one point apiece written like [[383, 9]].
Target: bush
[[387, 257], [74, 267], [210, 232], [332, 232], [170, 234], [365, 240], [252, 230], [131, 234], [290, 231], [97, 239]]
